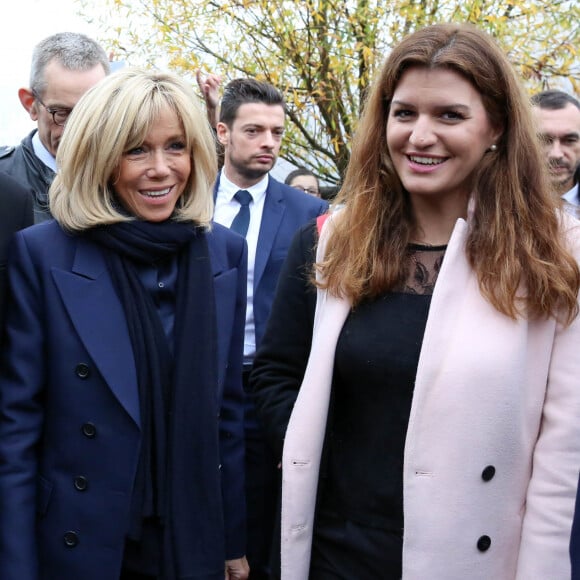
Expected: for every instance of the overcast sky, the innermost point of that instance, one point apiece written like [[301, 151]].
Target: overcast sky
[[29, 22]]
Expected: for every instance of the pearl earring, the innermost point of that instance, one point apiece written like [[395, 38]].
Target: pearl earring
[[493, 147]]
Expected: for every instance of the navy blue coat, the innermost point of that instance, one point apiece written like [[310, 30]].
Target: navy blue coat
[[69, 411]]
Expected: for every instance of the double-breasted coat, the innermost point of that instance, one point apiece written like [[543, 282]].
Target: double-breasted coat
[[69, 410], [492, 450]]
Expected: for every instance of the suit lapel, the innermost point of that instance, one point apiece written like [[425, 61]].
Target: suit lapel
[[274, 207], [97, 315]]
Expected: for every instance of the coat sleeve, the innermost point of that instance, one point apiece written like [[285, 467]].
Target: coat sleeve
[[15, 214], [231, 425], [281, 360], [552, 488], [22, 368]]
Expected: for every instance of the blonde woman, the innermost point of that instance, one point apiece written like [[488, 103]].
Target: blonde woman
[[121, 426]]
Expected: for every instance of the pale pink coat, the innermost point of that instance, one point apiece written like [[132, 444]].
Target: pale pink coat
[[489, 391]]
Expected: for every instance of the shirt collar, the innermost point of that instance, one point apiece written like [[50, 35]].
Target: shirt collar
[[229, 189], [571, 195], [42, 152]]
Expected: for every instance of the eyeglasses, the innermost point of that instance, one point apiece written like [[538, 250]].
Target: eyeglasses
[[310, 190], [59, 116]]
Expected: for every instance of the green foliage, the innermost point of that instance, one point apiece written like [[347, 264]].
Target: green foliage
[[323, 53]]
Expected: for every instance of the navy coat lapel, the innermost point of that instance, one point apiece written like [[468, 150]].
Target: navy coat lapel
[[96, 312], [274, 207]]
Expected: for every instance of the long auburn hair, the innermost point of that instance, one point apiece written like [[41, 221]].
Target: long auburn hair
[[515, 235]]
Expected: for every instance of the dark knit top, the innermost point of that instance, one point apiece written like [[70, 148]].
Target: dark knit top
[[375, 367]]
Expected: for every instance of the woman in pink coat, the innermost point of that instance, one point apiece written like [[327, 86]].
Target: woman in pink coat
[[436, 425]]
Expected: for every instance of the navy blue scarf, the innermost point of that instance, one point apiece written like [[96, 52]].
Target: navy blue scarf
[[177, 395]]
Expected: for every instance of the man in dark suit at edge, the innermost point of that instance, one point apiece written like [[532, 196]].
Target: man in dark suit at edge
[[250, 129], [15, 214]]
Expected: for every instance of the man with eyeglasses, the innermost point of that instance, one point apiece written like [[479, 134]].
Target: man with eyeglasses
[[304, 180], [64, 67]]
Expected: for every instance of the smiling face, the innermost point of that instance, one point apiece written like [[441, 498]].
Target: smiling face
[[252, 143], [152, 177], [437, 134]]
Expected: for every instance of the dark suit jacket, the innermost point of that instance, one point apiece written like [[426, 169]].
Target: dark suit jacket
[[15, 214], [285, 210], [22, 164], [289, 331], [69, 408], [575, 539]]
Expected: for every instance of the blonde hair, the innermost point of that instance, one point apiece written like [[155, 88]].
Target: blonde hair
[[112, 118], [515, 235]]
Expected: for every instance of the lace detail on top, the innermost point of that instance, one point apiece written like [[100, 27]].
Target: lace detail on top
[[424, 263]]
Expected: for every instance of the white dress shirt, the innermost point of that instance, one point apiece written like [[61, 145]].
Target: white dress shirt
[[226, 209], [571, 196], [42, 152]]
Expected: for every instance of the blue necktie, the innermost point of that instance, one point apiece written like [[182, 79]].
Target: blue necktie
[[242, 219]]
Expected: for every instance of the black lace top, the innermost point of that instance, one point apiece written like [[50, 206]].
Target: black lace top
[[375, 366], [424, 265]]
